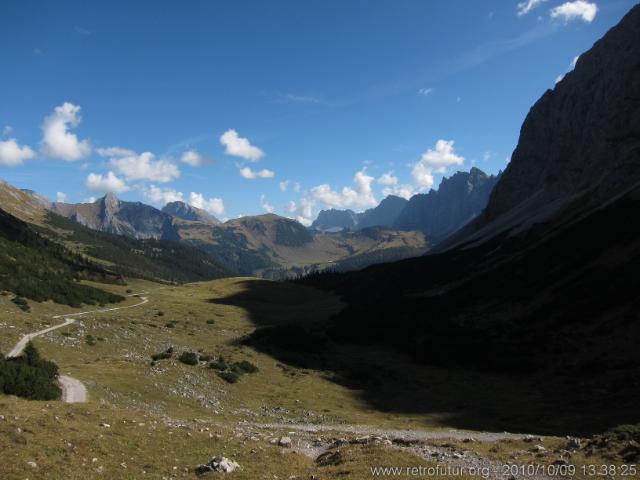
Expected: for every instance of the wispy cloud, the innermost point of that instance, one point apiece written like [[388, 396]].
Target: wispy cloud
[[528, 5], [82, 31]]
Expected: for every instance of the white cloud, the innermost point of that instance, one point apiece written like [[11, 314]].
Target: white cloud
[[284, 185], [435, 160], [573, 10], [162, 196], [12, 154], [425, 91], [144, 167], [266, 206], [302, 211], [293, 98], [388, 179], [212, 205], [405, 191], [89, 200], [193, 157], [296, 187], [61, 197], [6, 130], [105, 183], [528, 5], [239, 146], [486, 156], [247, 173], [359, 197], [57, 141], [114, 152]]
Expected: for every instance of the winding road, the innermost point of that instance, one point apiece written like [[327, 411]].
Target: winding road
[[73, 390]]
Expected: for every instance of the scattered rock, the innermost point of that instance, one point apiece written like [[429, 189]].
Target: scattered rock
[[285, 442], [218, 464], [32, 464], [105, 425], [538, 449]]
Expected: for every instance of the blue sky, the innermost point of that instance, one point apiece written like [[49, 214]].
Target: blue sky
[[248, 106]]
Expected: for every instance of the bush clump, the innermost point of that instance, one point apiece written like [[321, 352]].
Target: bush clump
[[206, 357], [232, 372], [162, 355], [90, 339], [229, 377], [21, 303], [188, 358], [171, 324], [211, 322], [29, 376], [245, 367]]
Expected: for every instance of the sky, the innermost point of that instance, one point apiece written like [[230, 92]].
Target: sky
[[247, 107]]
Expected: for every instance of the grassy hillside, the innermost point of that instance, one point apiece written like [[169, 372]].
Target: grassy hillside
[[150, 259], [33, 267]]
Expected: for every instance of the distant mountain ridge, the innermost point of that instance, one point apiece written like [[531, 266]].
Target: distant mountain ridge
[[189, 212], [265, 245], [112, 215], [458, 200]]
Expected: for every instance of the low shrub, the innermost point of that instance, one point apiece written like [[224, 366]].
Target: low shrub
[[245, 367], [171, 324], [168, 353], [90, 339], [29, 376], [219, 364], [211, 322], [206, 358], [229, 377], [188, 358], [626, 432], [21, 303]]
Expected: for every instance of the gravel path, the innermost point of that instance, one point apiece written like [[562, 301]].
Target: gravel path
[[73, 390]]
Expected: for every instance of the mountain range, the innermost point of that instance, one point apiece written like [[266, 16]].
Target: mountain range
[[439, 213], [265, 245]]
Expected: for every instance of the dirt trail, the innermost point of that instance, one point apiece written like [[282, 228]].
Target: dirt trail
[[73, 390]]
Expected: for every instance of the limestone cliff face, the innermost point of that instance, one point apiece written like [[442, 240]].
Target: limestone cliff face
[[579, 145], [585, 133], [111, 215]]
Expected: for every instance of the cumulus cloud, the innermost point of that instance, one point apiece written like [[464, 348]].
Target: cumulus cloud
[[61, 197], [527, 6], [140, 167], [266, 206], [435, 160], [57, 141], [162, 196], [193, 157], [239, 146], [284, 185], [212, 205], [388, 179], [249, 174], [12, 154], [579, 9], [361, 196], [302, 211], [105, 183], [405, 191]]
